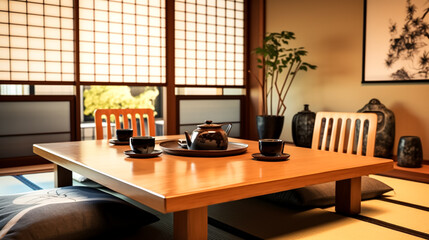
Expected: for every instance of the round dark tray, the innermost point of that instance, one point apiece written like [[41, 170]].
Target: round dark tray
[[117, 142], [172, 147]]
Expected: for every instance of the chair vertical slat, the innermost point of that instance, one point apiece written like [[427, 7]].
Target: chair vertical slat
[[151, 125], [325, 134], [142, 128], [98, 122], [134, 124], [370, 141], [360, 139], [117, 123], [333, 141], [125, 119], [316, 132], [351, 136], [108, 129], [342, 135]]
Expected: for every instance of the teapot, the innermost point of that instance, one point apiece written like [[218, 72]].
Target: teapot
[[208, 136]]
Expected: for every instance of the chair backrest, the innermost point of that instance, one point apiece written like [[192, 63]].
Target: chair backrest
[[122, 117], [351, 133]]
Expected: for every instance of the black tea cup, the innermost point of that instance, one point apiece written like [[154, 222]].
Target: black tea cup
[[124, 135], [271, 147], [143, 144]]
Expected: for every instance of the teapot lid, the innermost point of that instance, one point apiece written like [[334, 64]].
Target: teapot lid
[[209, 124]]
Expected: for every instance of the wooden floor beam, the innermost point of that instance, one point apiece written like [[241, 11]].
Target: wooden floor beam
[[39, 168]]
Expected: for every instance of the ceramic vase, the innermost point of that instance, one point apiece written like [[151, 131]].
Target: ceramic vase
[[302, 127], [385, 136]]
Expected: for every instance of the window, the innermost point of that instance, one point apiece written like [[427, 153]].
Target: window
[[45, 50], [121, 42]]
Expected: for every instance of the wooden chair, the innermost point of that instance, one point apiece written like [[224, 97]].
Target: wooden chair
[[122, 117], [121, 121], [343, 132]]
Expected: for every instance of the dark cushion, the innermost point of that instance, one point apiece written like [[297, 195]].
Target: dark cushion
[[75, 212], [323, 195]]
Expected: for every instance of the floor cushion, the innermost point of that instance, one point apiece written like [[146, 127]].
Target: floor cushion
[[323, 195], [74, 212]]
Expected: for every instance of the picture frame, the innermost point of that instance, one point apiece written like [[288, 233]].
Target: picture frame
[[395, 48]]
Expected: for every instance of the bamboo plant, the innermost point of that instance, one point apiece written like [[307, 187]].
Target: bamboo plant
[[274, 58]]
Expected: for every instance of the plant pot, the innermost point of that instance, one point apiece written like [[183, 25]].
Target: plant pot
[[269, 126]]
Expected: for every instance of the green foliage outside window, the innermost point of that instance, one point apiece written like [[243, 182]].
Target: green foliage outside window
[[117, 97]]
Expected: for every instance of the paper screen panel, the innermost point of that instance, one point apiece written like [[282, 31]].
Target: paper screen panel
[[36, 41], [209, 42], [34, 117], [122, 41], [195, 111]]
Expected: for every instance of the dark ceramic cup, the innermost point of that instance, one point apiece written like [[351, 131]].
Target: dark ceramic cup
[[144, 144], [271, 147], [124, 135]]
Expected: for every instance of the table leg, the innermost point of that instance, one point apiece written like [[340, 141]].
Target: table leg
[[348, 196], [191, 224], [63, 177]]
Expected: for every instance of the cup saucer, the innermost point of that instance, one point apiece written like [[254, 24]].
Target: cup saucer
[[261, 157], [132, 154], [117, 142]]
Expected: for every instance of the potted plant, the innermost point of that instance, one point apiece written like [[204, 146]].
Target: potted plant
[[280, 65]]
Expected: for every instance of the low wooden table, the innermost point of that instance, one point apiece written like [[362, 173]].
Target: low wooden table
[[187, 185]]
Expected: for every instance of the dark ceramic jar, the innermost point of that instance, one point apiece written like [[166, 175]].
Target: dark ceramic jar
[[302, 127], [385, 136], [410, 152]]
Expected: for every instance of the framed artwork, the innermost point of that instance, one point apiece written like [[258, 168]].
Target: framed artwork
[[396, 41]]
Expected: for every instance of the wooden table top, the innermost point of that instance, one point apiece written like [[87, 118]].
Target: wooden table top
[[170, 183]]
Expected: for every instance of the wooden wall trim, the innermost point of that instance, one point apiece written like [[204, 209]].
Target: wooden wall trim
[[255, 33], [39, 168], [169, 100], [22, 161], [76, 104], [35, 98]]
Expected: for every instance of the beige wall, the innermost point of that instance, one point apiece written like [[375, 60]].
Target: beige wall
[[332, 32]]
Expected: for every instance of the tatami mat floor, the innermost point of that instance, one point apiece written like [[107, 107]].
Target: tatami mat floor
[[25, 183], [161, 230], [403, 214]]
